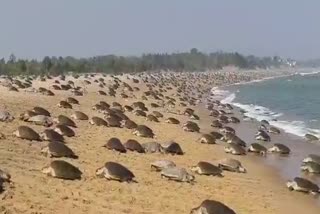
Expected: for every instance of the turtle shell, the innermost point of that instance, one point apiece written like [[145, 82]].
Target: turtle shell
[[65, 130], [78, 115], [208, 169], [64, 120], [42, 111], [53, 136], [212, 207], [115, 144], [64, 170], [28, 133], [119, 172], [134, 145], [56, 149]]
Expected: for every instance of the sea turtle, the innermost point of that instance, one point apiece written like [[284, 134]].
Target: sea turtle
[[115, 171], [232, 138], [27, 114], [78, 115], [151, 147], [116, 145], [172, 120], [65, 130], [152, 118], [216, 124], [234, 149], [216, 135], [72, 100], [171, 148], [312, 158], [231, 165], [98, 121], [4, 176], [41, 120], [64, 104], [143, 131], [162, 164], [39, 110], [113, 121], [51, 135], [129, 124], [27, 133], [257, 148], [274, 130], [228, 129], [128, 108], [212, 207], [311, 137], [190, 126], [262, 135], [207, 139], [311, 167], [5, 116], [177, 174], [63, 170], [157, 114], [265, 122], [64, 120], [134, 145], [234, 120], [303, 185], [279, 148], [205, 168], [57, 149]]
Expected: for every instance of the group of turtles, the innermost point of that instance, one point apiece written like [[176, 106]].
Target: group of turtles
[[58, 129]]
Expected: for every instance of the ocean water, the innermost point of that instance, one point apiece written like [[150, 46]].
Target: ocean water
[[291, 103]]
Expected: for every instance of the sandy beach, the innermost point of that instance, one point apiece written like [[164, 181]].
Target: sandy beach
[[261, 190]]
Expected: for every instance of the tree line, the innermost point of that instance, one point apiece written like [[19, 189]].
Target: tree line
[[193, 60]]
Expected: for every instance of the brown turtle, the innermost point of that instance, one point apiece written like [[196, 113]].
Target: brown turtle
[[64, 130], [190, 126], [143, 131], [42, 111], [113, 121], [51, 135], [212, 207], [78, 115], [152, 118], [205, 168], [172, 120], [98, 121], [172, 148], [64, 120], [63, 170], [64, 104], [157, 114], [207, 139], [115, 171], [72, 100], [133, 145], [27, 133], [129, 124], [57, 149], [115, 144]]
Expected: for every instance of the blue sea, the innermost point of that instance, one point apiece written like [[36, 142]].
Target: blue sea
[[291, 103]]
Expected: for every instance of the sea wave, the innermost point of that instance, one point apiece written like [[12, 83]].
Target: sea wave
[[298, 128], [309, 73]]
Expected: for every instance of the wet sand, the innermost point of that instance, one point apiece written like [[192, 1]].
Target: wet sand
[[258, 191]]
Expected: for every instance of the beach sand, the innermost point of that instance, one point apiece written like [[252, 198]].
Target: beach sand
[[261, 190]]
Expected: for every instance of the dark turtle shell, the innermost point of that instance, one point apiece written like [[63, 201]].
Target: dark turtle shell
[[28, 133], [115, 144], [57, 149], [39, 110], [65, 130], [64, 120], [134, 145], [173, 148], [119, 171], [53, 136], [65, 170]]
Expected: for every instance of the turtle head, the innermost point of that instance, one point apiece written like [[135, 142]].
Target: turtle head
[[16, 133], [100, 172], [47, 170], [272, 149], [242, 169], [263, 153], [304, 167], [290, 185], [43, 136]]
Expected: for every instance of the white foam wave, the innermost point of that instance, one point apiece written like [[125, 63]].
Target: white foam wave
[[298, 128], [309, 73], [228, 99]]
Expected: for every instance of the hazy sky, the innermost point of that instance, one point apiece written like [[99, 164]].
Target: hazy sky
[[35, 28]]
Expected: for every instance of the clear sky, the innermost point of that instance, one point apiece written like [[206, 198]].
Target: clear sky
[[35, 28]]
